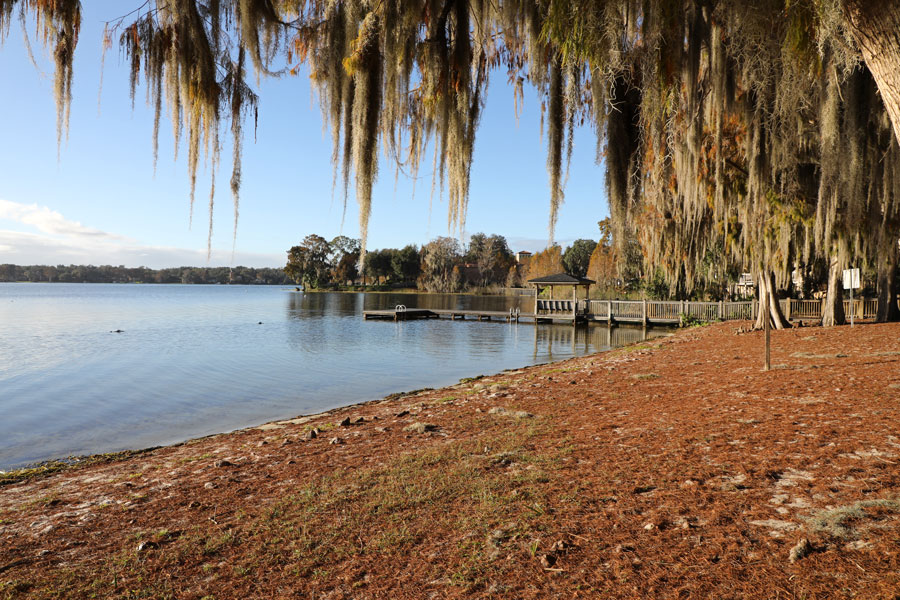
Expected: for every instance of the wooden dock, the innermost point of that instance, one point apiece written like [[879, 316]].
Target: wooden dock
[[398, 314], [402, 313], [641, 312]]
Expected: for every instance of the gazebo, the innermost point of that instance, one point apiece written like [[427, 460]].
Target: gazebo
[[560, 305]]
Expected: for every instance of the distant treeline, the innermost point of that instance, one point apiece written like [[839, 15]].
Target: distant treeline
[[442, 265], [486, 263], [121, 274]]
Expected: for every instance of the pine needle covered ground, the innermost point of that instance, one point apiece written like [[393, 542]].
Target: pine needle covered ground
[[675, 468]]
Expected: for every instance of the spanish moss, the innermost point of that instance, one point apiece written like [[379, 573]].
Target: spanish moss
[[758, 132]]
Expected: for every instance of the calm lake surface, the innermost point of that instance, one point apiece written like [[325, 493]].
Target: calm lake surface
[[194, 360]]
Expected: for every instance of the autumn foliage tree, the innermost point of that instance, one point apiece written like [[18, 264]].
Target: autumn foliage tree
[[602, 268], [545, 262]]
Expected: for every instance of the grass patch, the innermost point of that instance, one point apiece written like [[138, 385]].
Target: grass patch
[[190, 459], [67, 464], [456, 488], [692, 321], [839, 522], [398, 395], [631, 348], [450, 496], [561, 370]]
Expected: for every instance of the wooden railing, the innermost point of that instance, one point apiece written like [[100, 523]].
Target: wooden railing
[[702, 311], [599, 309], [863, 308], [738, 311], [802, 309], [663, 311], [627, 309], [667, 311]]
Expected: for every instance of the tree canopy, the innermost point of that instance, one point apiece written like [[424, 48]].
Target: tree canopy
[[308, 263], [768, 130], [577, 257]]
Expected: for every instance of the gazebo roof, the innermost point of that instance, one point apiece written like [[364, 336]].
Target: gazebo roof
[[561, 279]]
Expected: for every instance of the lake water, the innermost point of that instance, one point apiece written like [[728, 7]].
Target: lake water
[[194, 360]]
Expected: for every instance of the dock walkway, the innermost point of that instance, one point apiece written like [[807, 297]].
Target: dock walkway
[[643, 312], [408, 314]]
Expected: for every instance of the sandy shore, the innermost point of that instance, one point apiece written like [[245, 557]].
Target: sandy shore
[[674, 468]]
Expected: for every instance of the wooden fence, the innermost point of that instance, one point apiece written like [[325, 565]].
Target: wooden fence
[[668, 311], [863, 308]]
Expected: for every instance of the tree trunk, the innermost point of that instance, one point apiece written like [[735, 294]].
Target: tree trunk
[[769, 308], [833, 311], [875, 26], [887, 289]]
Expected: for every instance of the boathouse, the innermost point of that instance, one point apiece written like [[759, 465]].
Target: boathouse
[[557, 306]]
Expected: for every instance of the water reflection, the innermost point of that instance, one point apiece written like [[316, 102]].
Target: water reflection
[[563, 341], [194, 360], [324, 328]]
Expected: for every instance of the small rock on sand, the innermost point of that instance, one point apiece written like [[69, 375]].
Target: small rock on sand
[[143, 546]]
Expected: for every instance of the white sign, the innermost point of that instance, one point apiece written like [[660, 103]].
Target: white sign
[[851, 279]]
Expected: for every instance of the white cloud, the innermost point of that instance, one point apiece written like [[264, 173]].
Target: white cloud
[[49, 221], [64, 242], [534, 244], [37, 249]]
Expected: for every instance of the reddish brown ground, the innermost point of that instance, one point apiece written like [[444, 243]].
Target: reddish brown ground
[[671, 469]]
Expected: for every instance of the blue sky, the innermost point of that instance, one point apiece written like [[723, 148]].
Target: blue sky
[[100, 202]]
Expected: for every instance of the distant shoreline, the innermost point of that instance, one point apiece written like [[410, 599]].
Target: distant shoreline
[[288, 286], [11, 273]]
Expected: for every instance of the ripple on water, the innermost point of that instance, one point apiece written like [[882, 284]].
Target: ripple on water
[[195, 360]]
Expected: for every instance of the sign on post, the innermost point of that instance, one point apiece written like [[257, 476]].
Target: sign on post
[[851, 282], [851, 279]]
